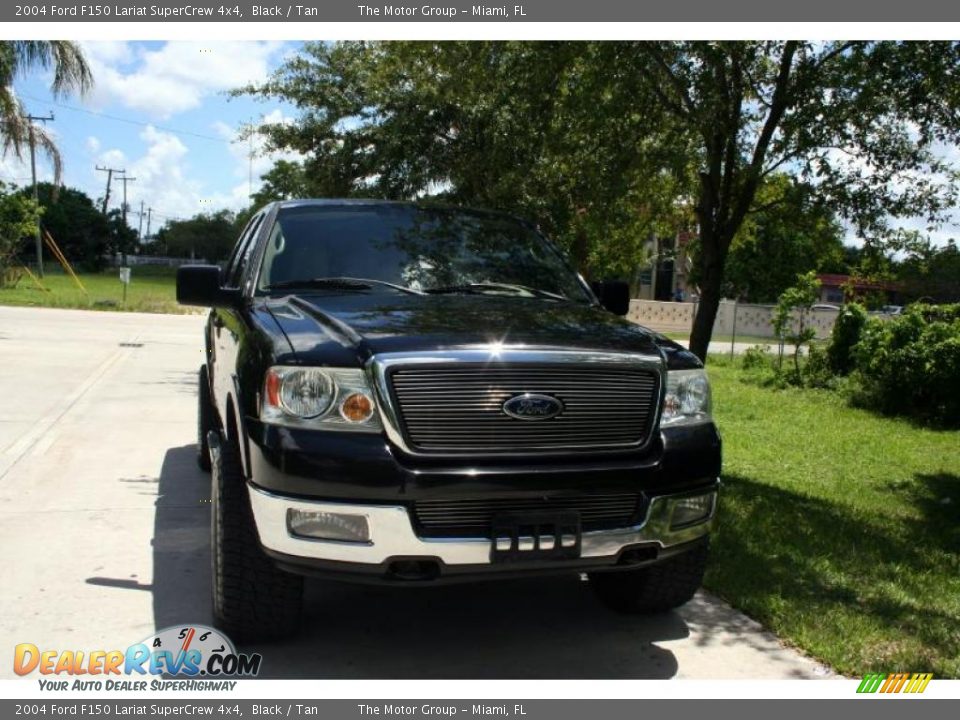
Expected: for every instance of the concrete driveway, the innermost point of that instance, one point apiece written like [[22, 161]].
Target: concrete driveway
[[104, 538]]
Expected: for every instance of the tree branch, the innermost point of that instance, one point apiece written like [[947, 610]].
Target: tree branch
[[678, 85], [778, 107]]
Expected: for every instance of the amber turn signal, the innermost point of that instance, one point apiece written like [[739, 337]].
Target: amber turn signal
[[356, 408]]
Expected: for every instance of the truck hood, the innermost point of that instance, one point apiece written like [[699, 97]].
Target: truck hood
[[328, 329]]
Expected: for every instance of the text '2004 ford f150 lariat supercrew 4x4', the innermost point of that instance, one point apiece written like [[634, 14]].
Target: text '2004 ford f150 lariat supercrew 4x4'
[[407, 393]]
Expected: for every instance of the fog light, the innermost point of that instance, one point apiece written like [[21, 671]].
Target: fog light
[[691, 510], [319, 525]]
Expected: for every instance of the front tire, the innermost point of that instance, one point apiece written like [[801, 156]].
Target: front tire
[[657, 588], [252, 599]]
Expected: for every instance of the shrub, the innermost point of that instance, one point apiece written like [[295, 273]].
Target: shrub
[[846, 334], [757, 358], [818, 370], [911, 365]]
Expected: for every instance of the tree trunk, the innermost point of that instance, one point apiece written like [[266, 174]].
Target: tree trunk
[[706, 310], [713, 253]]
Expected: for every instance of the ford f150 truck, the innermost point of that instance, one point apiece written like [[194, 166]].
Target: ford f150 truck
[[409, 393]]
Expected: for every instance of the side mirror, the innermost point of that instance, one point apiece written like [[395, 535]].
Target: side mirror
[[614, 295], [200, 285]]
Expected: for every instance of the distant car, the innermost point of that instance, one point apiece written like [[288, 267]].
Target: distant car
[[892, 309], [825, 306]]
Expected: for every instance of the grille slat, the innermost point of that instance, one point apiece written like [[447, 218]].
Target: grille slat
[[458, 410], [472, 517]]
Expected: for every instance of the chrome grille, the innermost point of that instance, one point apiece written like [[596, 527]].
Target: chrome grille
[[446, 409], [473, 517]]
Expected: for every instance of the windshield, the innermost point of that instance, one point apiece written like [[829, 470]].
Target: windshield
[[417, 248]]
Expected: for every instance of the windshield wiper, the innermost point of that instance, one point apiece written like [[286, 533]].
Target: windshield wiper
[[339, 283], [480, 287]]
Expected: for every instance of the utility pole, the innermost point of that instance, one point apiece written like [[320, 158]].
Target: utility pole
[[149, 214], [140, 226], [124, 178], [31, 119], [109, 171], [246, 131]]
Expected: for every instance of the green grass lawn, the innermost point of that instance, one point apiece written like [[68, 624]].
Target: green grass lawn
[[152, 289], [839, 530]]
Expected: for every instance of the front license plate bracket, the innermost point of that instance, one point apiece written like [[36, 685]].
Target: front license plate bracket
[[526, 537]]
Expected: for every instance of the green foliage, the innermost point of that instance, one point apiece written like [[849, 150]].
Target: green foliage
[[846, 334], [208, 236], [286, 180], [911, 364], [603, 143], [756, 358], [932, 272], [790, 314], [76, 224], [817, 371], [791, 232], [545, 130], [19, 216]]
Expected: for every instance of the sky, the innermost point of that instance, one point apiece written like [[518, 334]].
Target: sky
[[159, 110]]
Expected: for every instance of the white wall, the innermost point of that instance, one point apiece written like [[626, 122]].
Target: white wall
[[755, 320]]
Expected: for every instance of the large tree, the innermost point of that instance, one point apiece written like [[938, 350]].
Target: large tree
[[858, 120], [534, 128], [70, 74], [600, 142]]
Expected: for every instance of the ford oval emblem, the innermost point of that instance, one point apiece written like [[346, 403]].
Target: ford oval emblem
[[531, 406]]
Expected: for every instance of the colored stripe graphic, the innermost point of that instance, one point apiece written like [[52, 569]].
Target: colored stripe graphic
[[894, 682], [871, 683]]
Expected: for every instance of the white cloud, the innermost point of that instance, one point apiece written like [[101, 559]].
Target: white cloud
[[15, 170], [93, 145], [241, 149], [175, 77], [161, 176]]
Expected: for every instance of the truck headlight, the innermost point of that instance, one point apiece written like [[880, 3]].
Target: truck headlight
[[687, 400], [328, 398], [301, 392]]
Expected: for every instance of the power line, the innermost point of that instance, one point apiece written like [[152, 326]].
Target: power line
[[116, 118]]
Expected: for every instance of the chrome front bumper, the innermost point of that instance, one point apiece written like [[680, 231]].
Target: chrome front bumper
[[392, 533]]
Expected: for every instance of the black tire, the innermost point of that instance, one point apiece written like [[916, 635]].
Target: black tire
[[252, 599], [206, 419], [657, 588]]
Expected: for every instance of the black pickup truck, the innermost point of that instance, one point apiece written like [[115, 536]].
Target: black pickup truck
[[409, 393]]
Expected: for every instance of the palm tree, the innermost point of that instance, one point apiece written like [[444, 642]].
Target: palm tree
[[70, 74]]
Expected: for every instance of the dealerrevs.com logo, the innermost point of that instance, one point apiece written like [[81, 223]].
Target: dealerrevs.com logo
[[191, 651]]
